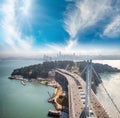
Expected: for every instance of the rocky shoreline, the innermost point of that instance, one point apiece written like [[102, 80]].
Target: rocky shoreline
[[53, 99]]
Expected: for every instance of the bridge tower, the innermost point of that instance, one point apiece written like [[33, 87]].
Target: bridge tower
[[88, 87]]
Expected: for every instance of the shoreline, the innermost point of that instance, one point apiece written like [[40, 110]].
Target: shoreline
[[56, 94]]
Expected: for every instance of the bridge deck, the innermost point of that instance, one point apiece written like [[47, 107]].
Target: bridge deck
[[97, 108], [75, 103], [76, 93]]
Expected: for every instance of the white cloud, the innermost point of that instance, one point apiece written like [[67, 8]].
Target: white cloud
[[71, 46], [25, 7], [68, 48], [113, 29], [10, 24], [82, 15], [85, 14]]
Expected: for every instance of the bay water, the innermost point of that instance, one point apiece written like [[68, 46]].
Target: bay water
[[18, 101]]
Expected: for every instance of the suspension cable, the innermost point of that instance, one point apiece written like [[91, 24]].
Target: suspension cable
[[83, 70], [107, 91]]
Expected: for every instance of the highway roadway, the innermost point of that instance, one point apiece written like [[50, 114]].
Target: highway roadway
[[76, 95]]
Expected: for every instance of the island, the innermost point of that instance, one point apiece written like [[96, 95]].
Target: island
[[43, 74]]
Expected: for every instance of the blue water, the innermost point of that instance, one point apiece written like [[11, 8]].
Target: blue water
[[18, 101]]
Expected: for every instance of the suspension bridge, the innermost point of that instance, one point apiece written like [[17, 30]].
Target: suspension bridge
[[83, 103]]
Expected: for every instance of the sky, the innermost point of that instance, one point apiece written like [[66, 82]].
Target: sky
[[37, 27]]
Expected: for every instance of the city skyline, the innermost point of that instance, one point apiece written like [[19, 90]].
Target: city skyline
[[85, 27]]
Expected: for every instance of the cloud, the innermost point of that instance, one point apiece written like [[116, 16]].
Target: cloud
[[10, 24], [84, 14], [113, 29], [68, 48], [71, 46], [79, 15], [25, 7]]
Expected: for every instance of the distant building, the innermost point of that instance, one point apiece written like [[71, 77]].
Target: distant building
[[51, 74]]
